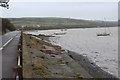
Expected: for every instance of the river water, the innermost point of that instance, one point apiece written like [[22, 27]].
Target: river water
[[103, 50]]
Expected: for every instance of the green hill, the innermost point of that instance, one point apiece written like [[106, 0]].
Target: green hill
[[57, 23]]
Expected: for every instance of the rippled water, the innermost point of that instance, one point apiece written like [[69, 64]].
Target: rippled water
[[103, 50]]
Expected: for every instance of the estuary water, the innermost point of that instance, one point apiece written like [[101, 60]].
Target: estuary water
[[103, 50]]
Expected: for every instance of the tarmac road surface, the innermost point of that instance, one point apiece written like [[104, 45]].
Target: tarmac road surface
[[8, 54]]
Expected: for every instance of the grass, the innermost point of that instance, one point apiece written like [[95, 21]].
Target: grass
[[41, 36], [23, 61], [40, 65], [63, 74], [55, 21], [34, 68], [45, 76], [18, 53], [32, 23], [79, 75], [38, 44], [1, 33], [17, 67], [40, 69]]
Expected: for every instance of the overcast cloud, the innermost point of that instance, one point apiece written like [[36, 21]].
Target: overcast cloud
[[64, 0], [77, 10]]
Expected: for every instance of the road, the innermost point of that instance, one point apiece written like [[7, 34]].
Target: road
[[9, 56]]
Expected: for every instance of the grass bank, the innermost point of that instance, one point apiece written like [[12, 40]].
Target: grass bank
[[41, 59]]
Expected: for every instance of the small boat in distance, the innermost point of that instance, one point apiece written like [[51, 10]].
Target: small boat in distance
[[105, 33], [62, 32]]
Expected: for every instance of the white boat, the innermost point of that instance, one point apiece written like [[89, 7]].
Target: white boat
[[60, 33], [105, 33]]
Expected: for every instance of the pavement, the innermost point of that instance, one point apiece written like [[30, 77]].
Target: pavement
[[8, 56]]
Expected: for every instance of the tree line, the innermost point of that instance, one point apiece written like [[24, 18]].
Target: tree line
[[6, 25]]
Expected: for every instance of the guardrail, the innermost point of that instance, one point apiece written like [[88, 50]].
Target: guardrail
[[19, 60]]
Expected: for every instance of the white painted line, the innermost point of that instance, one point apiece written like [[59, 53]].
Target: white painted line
[[17, 77], [6, 43], [19, 61], [1, 48]]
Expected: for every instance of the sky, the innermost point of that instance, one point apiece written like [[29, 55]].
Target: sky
[[78, 9], [64, 0]]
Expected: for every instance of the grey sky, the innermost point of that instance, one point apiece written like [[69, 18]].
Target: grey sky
[[78, 10], [64, 0]]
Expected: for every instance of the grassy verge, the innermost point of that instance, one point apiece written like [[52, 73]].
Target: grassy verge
[[42, 59]]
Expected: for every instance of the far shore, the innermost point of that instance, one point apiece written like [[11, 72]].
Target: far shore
[[68, 28]]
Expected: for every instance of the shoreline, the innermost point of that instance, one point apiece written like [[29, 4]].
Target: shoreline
[[70, 28], [39, 63], [90, 66]]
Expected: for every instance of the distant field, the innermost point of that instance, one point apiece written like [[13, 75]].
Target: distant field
[[57, 23]]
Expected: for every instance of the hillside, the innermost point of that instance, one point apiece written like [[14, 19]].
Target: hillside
[[57, 23]]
